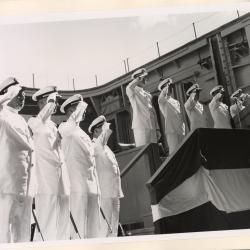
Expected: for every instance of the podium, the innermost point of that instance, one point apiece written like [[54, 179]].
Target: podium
[[205, 184]]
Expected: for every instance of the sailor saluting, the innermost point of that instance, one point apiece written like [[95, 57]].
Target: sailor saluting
[[218, 109], [80, 160], [144, 122], [194, 108], [170, 108], [239, 100], [16, 148], [53, 187], [109, 177]]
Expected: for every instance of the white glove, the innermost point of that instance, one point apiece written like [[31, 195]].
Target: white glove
[[192, 95], [82, 105], [142, 76], [106, 126], [77, 115], [13, 91], [165, 89], [52, 97]]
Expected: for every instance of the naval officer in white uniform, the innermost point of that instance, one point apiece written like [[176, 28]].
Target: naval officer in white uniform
[[239, 100], [170, 108], [194, 108], [218, 109], [109, 177], [16, 148], [53, 187], [80, 160], [144, 122]]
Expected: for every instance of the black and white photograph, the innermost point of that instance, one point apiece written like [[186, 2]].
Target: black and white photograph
[[117, 126]]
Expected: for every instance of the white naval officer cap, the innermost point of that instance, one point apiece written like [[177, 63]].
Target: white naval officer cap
[[10, 81], [164, 83], [75, 99], [41, 93], [139, 72], [97, 122], [237, 93], [193, 88], [215, 89]]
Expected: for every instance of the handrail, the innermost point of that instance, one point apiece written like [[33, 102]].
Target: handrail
[[135, 159]]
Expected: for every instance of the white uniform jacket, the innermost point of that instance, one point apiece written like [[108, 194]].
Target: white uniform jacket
[[52, 175], [107, 167], [144, 115], [171, 111], [195, 112], [16, 148], [79, 154], [219, 112], [235, 109]]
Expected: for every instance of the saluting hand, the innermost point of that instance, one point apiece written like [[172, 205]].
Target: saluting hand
[[222, 91], [52, 97], [165, 89], [13, 91], [106, 126], [140, 77]]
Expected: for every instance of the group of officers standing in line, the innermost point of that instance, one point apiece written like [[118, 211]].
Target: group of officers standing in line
[[73, 181], [145, 125]]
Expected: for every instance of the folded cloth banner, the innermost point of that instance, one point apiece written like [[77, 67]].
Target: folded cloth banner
[[191, 193], [212, 166], [227, 190]]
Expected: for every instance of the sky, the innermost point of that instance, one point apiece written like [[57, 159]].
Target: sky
[[57, 52]]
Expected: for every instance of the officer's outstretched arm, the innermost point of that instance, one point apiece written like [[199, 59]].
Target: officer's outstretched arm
[[105, 134], [49, 108], [163, 95], [77, 115], [191, 102], [131, 86], [216, 101]]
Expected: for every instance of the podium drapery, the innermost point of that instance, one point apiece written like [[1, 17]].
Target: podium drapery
[[205, 185]]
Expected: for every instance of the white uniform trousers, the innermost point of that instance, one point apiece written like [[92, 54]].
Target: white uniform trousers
[[174, 140], [15, 218], [94, 215], [144, 136], [111, 210], [78, 208], [53, 216]]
